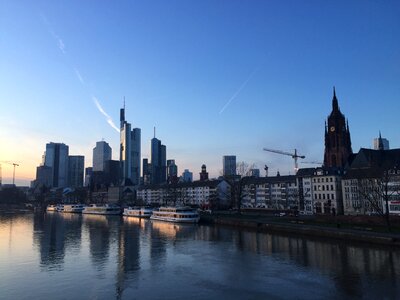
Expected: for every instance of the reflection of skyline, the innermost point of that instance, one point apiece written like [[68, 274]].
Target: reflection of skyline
[[136, 251], [53, 234]]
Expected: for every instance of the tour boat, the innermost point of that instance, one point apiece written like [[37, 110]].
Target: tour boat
[[138, 212], [176, 214], [51, 207], [72, 208], [107, 209]]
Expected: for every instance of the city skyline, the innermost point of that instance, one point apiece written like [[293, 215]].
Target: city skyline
[[215, 78]]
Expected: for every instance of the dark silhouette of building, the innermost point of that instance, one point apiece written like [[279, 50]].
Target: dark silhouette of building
[[203, 173], [172, 171], [337, 137], [158, 161]]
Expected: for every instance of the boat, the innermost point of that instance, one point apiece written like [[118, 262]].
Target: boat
[[107, 209], [72, 208], [52, 207], [138, 212], [176, 214]]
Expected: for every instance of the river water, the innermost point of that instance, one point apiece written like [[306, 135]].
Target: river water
[[69, 256]]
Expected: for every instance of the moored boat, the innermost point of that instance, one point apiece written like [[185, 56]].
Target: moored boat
[[72, 208], [138, 212], [51, 207], [107, 209], [176, 214]]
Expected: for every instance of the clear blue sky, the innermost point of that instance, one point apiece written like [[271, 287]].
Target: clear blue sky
[[214, 77]]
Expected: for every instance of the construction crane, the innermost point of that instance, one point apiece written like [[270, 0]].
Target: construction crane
[[312, 162], [10, 163], [294, 155]]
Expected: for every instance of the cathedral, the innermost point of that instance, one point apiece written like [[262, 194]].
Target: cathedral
[[337, 137]]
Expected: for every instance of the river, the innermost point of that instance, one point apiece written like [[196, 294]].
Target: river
[[71, 256]]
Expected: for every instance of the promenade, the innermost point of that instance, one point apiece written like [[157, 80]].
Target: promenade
[[307, 226]]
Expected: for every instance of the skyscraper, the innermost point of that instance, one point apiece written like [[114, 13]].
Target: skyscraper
[[229, 165], [75, 170], [101, 153], [129, 150], [381, 143], [172, 171], [158, 161], [337, 137], [56, 157]]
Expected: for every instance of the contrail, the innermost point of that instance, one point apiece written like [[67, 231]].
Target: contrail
[[108, 118], [238, 91], [60, 42], [78, 74]]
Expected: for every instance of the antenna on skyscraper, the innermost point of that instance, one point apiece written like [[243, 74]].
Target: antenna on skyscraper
[[154, 131], [124, 102]]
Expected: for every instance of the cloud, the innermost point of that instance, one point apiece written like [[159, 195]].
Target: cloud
[[78, 74], [238, 91], [108, 118]]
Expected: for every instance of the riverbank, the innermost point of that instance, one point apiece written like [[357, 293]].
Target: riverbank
[[305, 227]]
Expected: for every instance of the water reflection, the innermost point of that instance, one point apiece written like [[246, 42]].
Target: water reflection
[[53, 234], [126, 257]]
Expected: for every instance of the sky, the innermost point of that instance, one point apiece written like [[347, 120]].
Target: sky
[[214, 77]]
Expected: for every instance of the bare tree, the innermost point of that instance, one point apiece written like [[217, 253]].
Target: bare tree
[[376, 192]]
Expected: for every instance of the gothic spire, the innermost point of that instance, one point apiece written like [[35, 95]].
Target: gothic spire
[[335, 105]]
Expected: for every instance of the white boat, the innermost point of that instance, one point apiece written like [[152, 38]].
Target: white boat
[[51, 207], [72, 208], [138, 212], [107, 209], [176, 214]]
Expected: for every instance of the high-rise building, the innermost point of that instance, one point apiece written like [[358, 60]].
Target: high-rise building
[[172, 171], [56, 157], [88, 175], [129, 150], [381, 143], [158, 161], [337, 137], [101, 153], [187, 176], [76, 165], [44, 176], [229, 165]]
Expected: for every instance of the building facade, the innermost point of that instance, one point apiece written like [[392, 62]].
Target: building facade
[[372, 179], [229, 165], [56, 157], [76, 164], [158, 162], [203, 194], [101, 153]]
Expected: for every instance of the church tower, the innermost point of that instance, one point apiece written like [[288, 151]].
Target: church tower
[[337, 137]]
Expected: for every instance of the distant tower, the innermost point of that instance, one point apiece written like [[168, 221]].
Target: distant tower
[[381, 143], [158, 161], [129, 150], [203, 173], [229, 165], [172, 171], [337, 137]]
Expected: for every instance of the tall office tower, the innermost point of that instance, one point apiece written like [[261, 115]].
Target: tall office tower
[[381, 143], [158, 161], [129, 150], [187, 176], [56, 157], [76, 165], [101, 153], [229, 165], [146, 171], [88, 175], [172, 171], [337, 137]]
